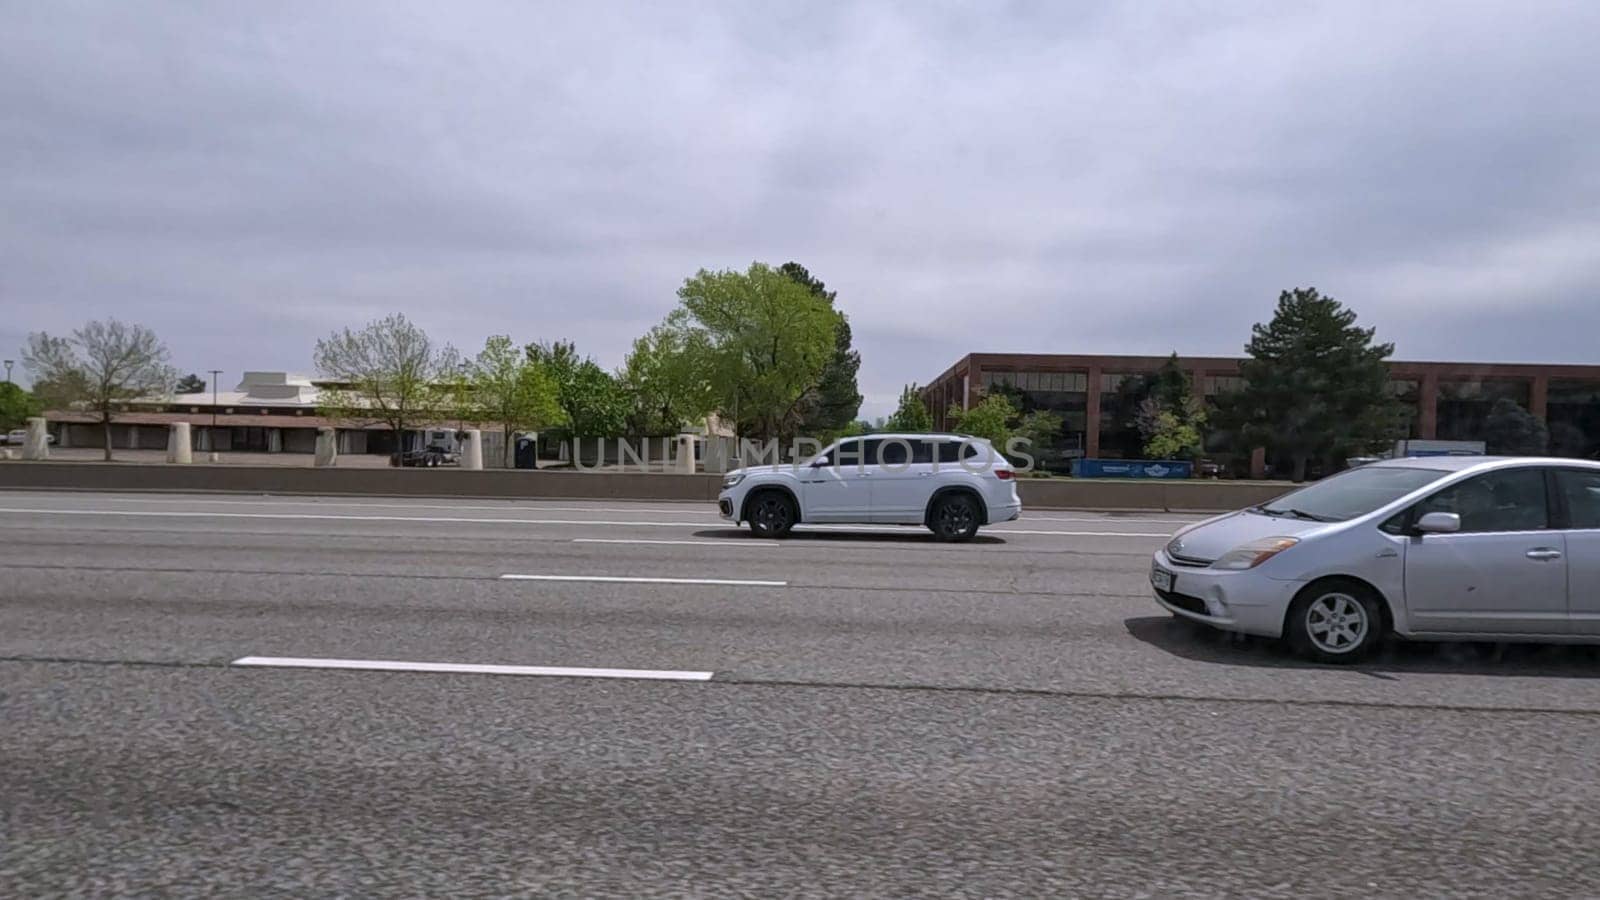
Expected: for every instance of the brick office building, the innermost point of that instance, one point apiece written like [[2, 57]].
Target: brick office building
[[1448, 400]]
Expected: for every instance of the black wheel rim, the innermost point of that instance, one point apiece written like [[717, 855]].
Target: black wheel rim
[[956, 517], [772, 513]]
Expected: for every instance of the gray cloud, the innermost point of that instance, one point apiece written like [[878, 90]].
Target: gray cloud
[[1028, 177]]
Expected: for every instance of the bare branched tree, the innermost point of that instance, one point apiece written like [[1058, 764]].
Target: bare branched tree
[[387, 372], [103, 366]]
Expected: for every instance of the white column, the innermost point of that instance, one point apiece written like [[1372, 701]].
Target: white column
[[472, 449], [37, 444], [327, 448], [274, 440], [685, 460], [178, 450]]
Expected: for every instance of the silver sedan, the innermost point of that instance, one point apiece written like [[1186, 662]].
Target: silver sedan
[[1442, 548]]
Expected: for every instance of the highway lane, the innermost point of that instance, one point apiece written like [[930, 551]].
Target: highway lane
[[1009, 716]]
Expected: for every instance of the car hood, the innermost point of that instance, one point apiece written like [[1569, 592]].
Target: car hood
[[761, 470], [1211, 539]]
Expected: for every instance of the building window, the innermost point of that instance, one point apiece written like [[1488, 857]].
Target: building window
[[1215, 385], [1463, 406], [1409, 395], [1572, 412]]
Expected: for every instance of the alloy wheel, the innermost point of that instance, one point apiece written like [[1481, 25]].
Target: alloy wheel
[[1337, 623], [956, 517], [772, 514]]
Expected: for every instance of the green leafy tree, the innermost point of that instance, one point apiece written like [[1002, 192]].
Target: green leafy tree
[[1171, 419], [769, 340], [100, 368], [1510, 430], [912, 414], [506, 386], [191, 384], [1162, 409], [1171, 437], [1019, 399], [594, 404], [665, 378], [389, 371], [16, 406], [1042, 431], [1568, 440], [990, 418], [1316, 384], [832, 403]]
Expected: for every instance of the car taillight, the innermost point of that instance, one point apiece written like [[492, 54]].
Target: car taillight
[[1003, 474]]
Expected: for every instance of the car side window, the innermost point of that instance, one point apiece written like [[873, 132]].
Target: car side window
[[955, 451], [1581, 491], [921, 452], [1509, 500], [848, 453], [894, 453]]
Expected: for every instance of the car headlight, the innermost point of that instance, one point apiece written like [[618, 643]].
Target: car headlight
[[732, 478], [1248, 556]]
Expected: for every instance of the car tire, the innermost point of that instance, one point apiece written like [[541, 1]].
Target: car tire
[[772, 514], [954, 518], [1336, 621]]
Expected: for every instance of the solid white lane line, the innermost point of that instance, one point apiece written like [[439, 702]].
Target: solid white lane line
[[677, 508], [330, 517], [1145, 534], [521, 507], [1108, 520], [389, 665], [623, 579], [466, 520], [731, 542]]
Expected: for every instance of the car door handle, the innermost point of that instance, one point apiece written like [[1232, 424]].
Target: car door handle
[[1543, 554], [924, 474]]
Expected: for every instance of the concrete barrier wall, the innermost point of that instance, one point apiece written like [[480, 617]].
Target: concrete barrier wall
[[1159, 496]]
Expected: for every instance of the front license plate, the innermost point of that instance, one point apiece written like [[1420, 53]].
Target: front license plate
[[1161, 579]]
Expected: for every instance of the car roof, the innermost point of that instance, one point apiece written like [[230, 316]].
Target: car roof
[[1475, 463], [918, 436]]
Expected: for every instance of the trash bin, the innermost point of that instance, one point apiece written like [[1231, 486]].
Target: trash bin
[[527, 453]]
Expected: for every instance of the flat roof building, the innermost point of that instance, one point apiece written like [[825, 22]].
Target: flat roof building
[[1447, 400]]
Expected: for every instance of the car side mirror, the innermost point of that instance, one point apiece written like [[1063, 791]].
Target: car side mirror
[[1439, 523], [820, 462]]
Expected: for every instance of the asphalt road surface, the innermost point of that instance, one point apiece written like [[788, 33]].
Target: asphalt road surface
[[854, 711]]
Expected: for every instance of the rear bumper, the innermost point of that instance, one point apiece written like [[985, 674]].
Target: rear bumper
[[1246, 602], [1007, 513]]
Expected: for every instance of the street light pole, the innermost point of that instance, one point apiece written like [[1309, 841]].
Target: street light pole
[[9, 363], [211, 436]]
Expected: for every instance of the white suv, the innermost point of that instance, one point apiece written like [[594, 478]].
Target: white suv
[[950, 483]]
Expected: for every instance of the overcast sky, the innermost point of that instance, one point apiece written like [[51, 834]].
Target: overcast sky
[[1029, 177]]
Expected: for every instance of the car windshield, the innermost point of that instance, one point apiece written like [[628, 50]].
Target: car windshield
[[1351, 494]]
